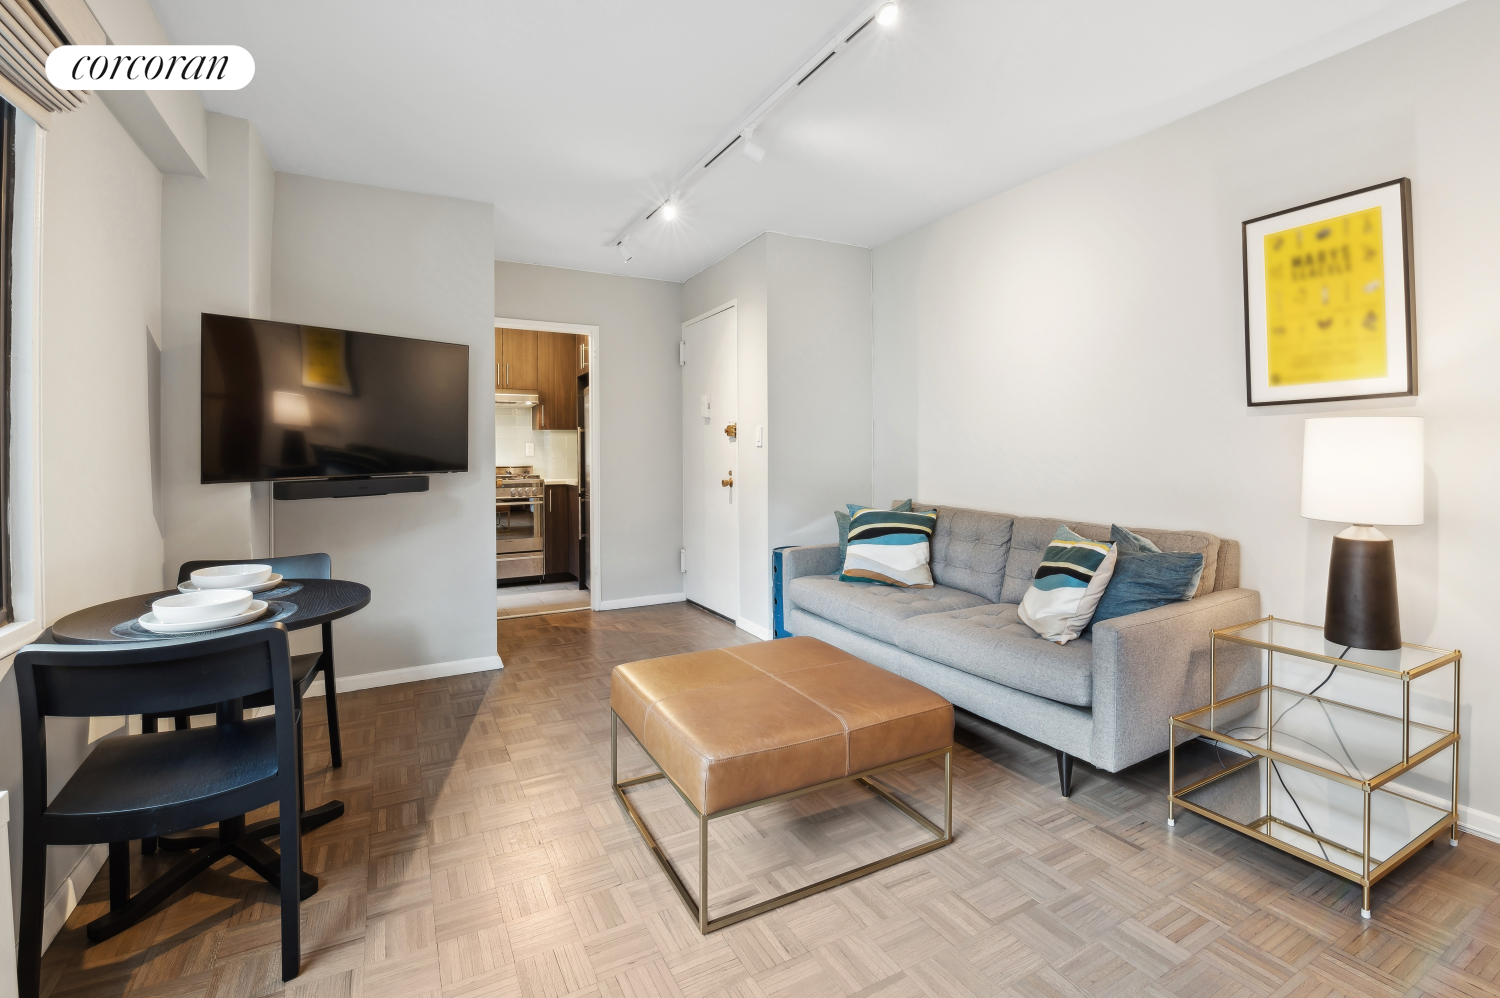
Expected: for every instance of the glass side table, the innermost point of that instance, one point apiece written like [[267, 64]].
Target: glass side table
[[1346, 758]]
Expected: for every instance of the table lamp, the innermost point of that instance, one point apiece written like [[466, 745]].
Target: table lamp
[[1363, 470]]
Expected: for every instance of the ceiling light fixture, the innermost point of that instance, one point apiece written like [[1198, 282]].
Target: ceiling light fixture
[[884, 12], [752, 150], [624, 248]]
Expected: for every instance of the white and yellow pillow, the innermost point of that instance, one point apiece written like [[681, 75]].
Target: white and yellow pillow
[[1068, 585]]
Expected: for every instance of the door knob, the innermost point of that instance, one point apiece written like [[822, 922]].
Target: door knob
[[732, 431], [728, 483]]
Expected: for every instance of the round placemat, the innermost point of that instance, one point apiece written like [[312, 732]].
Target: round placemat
[[131, 630]]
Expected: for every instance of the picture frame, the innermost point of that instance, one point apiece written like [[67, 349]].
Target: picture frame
[[1330, 299]]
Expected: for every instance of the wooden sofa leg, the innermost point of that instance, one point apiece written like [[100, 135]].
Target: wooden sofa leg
[[1065, 773]]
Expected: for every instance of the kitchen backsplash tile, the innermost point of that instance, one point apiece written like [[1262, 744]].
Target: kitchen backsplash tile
[[556, 450]]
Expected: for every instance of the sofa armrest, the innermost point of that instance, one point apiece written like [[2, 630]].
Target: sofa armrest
[[811, 559], [1151, 665]]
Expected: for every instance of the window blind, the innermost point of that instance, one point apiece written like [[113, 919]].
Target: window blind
[[29, 31]]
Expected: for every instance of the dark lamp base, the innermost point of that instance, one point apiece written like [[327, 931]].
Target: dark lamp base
[[1362, 610]]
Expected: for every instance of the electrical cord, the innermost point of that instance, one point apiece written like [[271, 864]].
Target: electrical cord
[[1275, 769]]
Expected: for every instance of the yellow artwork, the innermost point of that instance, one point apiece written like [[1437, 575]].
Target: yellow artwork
[[324, 361], [1325, 301]]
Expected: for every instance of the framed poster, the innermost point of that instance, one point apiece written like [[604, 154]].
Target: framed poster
[[1329, 308]]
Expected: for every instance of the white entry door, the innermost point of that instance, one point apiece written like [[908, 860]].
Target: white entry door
[[710, 460]]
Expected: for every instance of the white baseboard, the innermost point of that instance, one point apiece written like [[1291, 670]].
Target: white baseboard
[[63, 900], [412, 674], [764, 633], [626, 604]]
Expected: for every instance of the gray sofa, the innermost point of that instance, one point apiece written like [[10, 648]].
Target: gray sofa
[[1104, 697]]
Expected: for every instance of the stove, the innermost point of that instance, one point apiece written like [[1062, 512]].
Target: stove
[[519, 523], [517, 481]]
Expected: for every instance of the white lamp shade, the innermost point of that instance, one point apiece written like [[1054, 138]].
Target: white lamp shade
[[290, 409], [1363, 469]]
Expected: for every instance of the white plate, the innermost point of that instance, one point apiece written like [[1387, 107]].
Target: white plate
[[271, 583], [150, 623]]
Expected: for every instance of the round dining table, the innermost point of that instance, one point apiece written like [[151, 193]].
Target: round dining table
[[295, 604]]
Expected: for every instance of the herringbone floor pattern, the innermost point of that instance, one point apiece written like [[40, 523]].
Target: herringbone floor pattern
[[483, 855]]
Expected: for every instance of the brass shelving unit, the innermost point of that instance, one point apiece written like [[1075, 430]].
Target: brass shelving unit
[[1333, 755]]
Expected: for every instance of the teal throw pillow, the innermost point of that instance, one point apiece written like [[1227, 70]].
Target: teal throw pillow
[[1146, 577]]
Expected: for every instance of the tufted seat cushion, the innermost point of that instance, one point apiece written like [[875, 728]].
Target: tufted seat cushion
[[872, 609], [991, 642]]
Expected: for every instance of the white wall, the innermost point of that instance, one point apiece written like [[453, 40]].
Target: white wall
[[638, 487], [819, 356], [216, 257], [804, 351], [99, 310], [1075, 347], [383, 261]]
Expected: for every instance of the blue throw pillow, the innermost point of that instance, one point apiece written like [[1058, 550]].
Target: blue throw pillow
[[1130, 542], [1146, 577]]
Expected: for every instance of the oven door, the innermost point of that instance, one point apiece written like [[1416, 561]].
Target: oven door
[[518, 525]]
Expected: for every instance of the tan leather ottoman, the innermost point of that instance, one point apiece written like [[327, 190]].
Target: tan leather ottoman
[[738, 727]]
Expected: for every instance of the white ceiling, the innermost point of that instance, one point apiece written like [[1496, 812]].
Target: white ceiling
[[573, 117]]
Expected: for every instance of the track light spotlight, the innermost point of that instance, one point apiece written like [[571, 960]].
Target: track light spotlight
[[668, 211], [753, 150], [887, 14], [625, 251]]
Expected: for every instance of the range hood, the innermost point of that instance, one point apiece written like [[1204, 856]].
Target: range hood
[[517, 400]]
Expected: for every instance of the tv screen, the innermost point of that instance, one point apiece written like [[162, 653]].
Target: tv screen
[[284, 401]]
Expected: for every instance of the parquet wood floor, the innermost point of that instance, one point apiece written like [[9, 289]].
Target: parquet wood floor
[[483, 855]]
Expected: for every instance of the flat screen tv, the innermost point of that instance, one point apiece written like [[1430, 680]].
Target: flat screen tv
[[285, 401]]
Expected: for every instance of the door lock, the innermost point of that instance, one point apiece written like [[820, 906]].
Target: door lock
[[728, 483], [732, 431]]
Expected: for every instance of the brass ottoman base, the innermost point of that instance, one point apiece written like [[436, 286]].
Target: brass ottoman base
[[942, 836]]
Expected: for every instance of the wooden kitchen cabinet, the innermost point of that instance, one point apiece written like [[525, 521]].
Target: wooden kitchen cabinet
[[557, 372], [560, 530], [516, 360]]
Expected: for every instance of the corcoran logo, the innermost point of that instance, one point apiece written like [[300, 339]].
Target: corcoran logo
[[150, 67]]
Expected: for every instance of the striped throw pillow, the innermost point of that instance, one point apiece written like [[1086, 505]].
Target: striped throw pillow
[[889, 547], [1069, 582]]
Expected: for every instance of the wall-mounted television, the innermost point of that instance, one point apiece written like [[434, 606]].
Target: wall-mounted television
[[283, 401]]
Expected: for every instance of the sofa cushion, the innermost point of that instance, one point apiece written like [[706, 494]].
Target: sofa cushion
[[1030, 536], [871, 609], [969, 550], [992, 643]]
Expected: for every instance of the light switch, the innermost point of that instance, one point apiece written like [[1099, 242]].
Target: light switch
[[760, 432], [531, 450], [704, 406]]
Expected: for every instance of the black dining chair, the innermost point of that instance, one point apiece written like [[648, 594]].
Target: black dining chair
[[138, 786], [305, 668]]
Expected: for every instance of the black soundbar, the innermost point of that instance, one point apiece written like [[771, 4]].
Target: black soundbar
[[344, 488]]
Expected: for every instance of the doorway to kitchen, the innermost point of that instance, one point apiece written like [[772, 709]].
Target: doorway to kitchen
[[545, 558]]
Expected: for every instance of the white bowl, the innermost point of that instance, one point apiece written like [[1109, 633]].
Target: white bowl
[[211, 604], [149, 622], [231, 576]]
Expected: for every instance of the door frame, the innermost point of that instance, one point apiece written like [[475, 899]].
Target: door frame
[[596, 489]]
